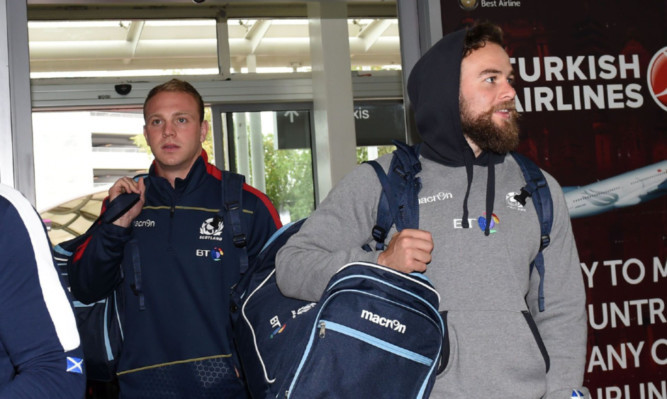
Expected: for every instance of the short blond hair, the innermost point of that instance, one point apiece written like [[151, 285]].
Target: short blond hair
[[177, 86]]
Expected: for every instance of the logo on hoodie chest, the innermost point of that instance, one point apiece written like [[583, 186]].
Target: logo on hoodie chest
[[493, 222], [211, 229], [481, 221], [512, 203], [441, 196]]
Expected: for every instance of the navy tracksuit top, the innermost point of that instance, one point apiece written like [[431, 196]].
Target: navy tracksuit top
[[40, 352], [176, 298]]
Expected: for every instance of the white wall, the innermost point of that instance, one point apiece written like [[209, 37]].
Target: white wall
[[65, 158]]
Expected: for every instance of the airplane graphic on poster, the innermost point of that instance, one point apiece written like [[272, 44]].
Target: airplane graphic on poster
[[627, 189]]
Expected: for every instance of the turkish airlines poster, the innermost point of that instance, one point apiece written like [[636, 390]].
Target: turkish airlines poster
[[591, 81]]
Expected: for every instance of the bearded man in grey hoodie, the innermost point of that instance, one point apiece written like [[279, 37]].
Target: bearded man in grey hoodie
[[501, 345]]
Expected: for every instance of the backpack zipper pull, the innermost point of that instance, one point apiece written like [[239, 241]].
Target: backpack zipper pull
[[322, 329]]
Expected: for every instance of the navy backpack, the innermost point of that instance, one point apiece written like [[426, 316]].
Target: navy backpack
[[375, 332]]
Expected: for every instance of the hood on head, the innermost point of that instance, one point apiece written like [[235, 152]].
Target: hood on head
[[433, 88]]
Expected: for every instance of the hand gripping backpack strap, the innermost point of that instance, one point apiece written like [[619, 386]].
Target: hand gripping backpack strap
[[232, 192], [537, 188], [398, 202], [64, 252], [113, 211]]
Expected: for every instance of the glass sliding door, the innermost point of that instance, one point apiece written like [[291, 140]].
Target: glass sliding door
[[273, 150]]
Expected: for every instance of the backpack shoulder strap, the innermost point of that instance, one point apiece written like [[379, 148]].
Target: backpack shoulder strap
[[398, 202], [113, 211], [387, 209], [121, 204], [135, 259], [537, 188], [118, 207], [232, 193]]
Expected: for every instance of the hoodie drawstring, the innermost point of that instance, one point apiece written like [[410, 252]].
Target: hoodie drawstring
[[490, 193], [468, 160]]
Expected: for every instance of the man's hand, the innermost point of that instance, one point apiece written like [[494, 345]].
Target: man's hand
[[408, 251], [128, 185]]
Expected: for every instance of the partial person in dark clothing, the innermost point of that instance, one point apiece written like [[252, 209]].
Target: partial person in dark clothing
[[40, 352], [174, 259]]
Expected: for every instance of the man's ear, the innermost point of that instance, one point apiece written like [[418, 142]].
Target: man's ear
[[203, 131]]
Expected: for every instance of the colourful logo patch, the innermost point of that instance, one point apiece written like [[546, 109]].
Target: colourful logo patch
[[278, 331], [216, 254], [494, 221]]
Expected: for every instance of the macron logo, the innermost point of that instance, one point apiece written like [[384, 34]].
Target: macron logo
[[441, 196], [144, 223], [383, 321]]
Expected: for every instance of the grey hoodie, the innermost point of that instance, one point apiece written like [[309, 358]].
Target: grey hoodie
[[501, 346]]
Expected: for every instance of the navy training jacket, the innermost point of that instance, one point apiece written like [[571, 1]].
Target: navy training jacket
[[176, 324], [40, 352]]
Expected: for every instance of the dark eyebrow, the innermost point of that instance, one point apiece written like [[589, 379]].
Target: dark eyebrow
[[490, 72], [176, 114]]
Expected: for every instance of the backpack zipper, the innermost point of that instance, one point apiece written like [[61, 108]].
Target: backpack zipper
[[323, 326]]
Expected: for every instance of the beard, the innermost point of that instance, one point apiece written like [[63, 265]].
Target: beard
[[488, 135]]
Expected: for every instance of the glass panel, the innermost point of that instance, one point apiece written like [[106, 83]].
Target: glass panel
[[283, 45], [370, 153], [78, 155], [122, 48], [272, 149], [269, 45], [64, 49], [377, 124], [374, 44]]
